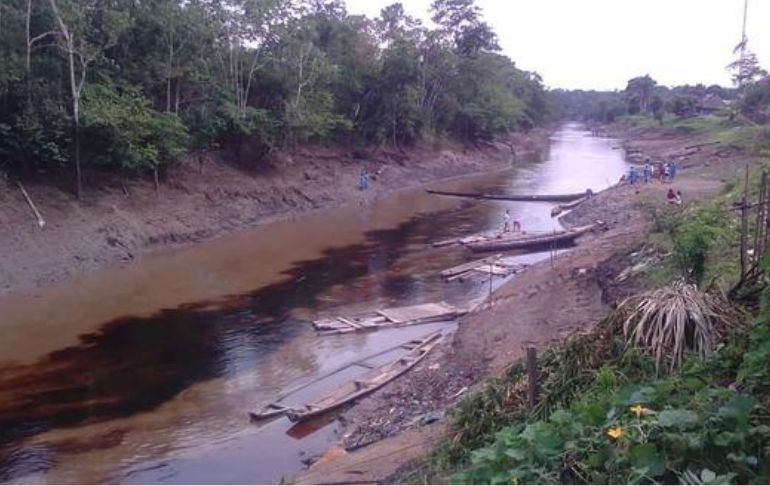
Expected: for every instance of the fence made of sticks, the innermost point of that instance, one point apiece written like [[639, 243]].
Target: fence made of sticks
[[755, 233]]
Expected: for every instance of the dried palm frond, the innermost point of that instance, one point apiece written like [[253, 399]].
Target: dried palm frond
[[672, 320]]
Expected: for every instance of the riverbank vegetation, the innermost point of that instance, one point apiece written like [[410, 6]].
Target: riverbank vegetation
[[135, 86]]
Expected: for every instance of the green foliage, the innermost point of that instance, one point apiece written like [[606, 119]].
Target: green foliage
[[754, 371], [627, 427], [246, 73], [755, 103], [123, 130], [694, 235], [753, 139]]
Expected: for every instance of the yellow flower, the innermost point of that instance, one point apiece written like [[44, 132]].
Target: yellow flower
[[615, 432], [639, 410]]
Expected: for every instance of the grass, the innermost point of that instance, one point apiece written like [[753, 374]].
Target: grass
[[698, 124], [754, 140]]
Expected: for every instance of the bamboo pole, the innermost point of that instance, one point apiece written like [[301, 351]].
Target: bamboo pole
[[40, 220]]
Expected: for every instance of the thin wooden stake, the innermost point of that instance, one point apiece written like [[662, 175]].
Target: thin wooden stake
[[40, 220], [532, 375], [758, 225], [744, 224], [490, 284]]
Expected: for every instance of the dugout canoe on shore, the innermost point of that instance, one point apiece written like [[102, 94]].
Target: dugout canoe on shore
[[279, 405], [511, 197], [516, 242], [366, 384]]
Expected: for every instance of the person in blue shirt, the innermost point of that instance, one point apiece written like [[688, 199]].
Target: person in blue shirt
[[363, 180], [647, 172], [632, 175], [672, 169]]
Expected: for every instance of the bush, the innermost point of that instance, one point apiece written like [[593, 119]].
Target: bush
[[123, 130], [674, 430], [693, 239]]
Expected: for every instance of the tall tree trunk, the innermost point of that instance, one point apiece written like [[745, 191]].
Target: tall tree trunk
[[169, 69], [177, 83], [29, 43], [75, 88]]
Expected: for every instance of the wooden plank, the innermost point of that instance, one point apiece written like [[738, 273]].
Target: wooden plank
[[349, 322], [465, 267]]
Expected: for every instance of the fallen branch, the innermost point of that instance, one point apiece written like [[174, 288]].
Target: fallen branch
[[40, 220]]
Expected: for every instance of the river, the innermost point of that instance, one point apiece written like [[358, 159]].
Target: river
[[145, 373]]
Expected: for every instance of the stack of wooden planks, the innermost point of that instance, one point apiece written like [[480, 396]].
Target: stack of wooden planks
[[496, 265]]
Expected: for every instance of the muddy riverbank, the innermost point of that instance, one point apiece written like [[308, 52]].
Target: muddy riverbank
[[544, 303], [206, 197]]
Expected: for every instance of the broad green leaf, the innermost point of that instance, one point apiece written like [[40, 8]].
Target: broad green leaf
[[646, 456], [677, 418]]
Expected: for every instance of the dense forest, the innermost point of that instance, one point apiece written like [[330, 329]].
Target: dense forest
[[135, 85]]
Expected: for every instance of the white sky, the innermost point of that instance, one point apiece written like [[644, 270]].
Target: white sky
[[600, 44]]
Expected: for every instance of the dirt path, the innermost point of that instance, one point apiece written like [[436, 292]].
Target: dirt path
[[205, 198], [544, 303]]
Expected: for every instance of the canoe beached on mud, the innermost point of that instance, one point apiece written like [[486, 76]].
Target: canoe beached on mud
[[393, 317], [277, 406], [512, 197], [527, 241], [366, 384]]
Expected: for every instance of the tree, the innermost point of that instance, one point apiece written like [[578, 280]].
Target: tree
[[461, 21], [656, 105], [639, 94], [86, 30], [746, 70]]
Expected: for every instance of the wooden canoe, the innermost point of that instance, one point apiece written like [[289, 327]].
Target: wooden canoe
[[512, 197], [277, 407], [366, 384], [528, 241]]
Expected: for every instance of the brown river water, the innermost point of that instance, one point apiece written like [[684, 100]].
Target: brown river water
[[145, 373]]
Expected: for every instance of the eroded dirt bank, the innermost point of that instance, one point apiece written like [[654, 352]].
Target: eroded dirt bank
[[205, 198], [403, 421]]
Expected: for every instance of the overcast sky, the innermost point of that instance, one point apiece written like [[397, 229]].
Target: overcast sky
[[600, 44]]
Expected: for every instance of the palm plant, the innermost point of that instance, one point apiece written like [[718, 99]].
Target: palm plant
[[673, 320]]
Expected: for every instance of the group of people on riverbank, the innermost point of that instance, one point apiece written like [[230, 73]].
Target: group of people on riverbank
[[664, 172]]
